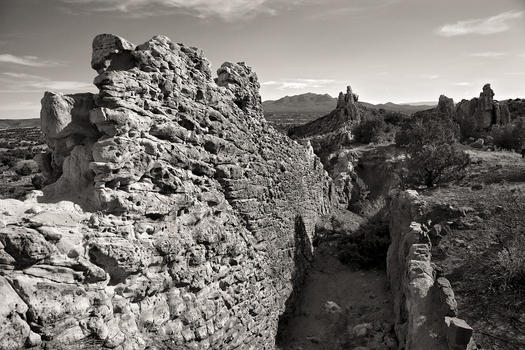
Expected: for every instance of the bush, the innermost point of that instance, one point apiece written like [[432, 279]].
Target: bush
[[369, 130], [469, 129], [436, 163], [38, 181], [510, 233], [433, 155], [368, 246], [509, 137], [512, 260], [395, 118]]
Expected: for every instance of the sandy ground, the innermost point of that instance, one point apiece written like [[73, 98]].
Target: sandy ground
[[362, 296]]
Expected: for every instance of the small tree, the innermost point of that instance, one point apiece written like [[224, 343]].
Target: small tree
[[395, 118], [510, 137], [369, 130], [433, 155]]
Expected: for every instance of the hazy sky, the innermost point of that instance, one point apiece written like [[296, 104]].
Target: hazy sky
[[387, 50]]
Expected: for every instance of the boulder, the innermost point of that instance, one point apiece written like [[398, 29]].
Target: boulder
[[478, 143]]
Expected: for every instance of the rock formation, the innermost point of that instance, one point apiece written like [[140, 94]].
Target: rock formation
[[424, 303], [444, 109], [174, 217], [345, 115], [481, 113], [446, 106]]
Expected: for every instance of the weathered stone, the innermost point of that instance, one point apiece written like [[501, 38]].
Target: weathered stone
[[480, 114], [13, 329], [458, 333], [173, 215], [423, 302]]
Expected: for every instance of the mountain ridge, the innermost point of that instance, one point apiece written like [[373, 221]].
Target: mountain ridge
[[313, 102]]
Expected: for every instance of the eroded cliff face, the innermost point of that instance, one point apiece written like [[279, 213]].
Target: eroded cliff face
[[174, 217], [483, 112], [424, 304]]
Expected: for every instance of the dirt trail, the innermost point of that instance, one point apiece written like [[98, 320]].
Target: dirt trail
[[334, 300]]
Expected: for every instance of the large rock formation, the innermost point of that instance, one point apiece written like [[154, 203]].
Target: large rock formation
[[445, 109], [481, 113], [181, 220]]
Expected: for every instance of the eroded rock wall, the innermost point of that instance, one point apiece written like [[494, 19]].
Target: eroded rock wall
[[484, 112], [174, 216], [424, 304]]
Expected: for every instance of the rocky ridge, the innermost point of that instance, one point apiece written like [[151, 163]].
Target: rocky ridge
[[425, 307], [173, 216], [476, 115]]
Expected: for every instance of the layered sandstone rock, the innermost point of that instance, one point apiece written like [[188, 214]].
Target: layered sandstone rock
[[424, 302], [174, 216]]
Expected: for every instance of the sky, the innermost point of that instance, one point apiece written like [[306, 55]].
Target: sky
[[401, 51]]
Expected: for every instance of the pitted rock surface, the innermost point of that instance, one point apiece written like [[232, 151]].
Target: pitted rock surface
[[174, 217]]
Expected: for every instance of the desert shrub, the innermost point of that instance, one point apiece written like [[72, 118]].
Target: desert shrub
[[368, 246], [509, 137], [434, 163], [395, 118], [403, 138], [38, 181], [468, 129], [369, 130], [512, 260], [510, 233], [433, 155]]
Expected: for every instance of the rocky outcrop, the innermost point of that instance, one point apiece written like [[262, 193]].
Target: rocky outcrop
[[482, 113], [340, 120], [446, 106], [174, 216], [424, 302], [445, 109]]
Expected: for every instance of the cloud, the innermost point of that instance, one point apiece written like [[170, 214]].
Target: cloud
[[22, 75], [22, 82], [355, 6], [481, 26], [226, 9], [296, 84], [29, 61], [430, 76], [488, 54], [462, 83]]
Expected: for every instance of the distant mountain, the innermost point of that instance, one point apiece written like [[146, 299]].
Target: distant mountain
[[308, 102], [301, 109], [403, 108], [19, 123]]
